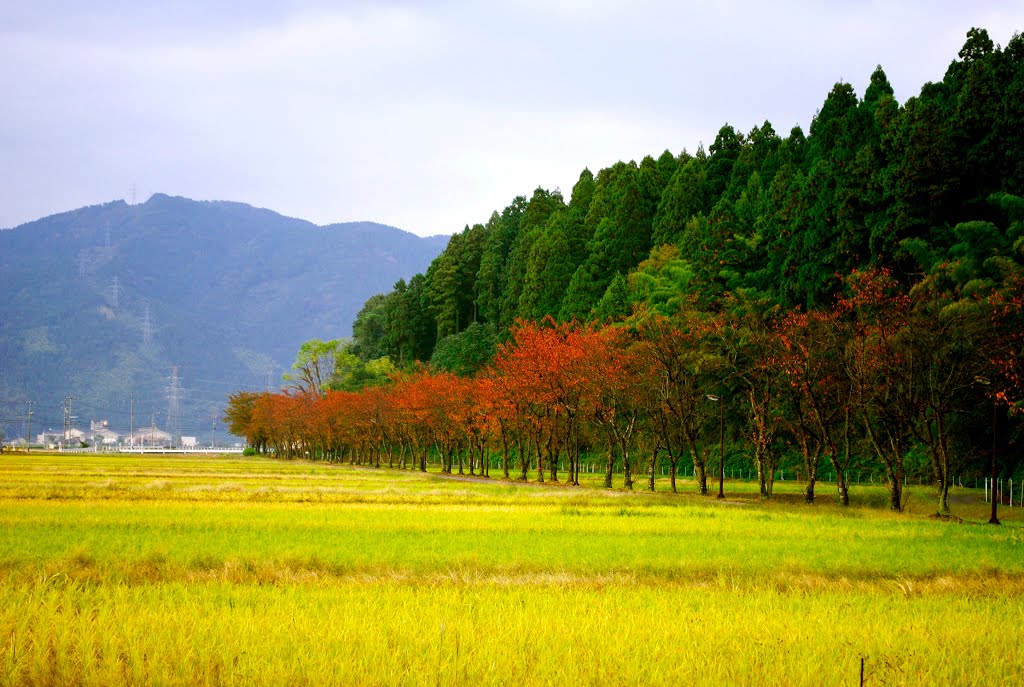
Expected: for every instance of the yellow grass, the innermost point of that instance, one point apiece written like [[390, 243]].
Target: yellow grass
[[129, 571]]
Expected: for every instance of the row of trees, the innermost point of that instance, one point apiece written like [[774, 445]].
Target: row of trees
[[880, 372], [852, 297]]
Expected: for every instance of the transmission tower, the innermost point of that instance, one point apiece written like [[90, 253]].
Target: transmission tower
[[115, 290], [174, 408], [68, 420], [106, 239], [81, 264], [147, 327]]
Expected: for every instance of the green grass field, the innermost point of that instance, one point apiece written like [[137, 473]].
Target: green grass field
[[215, 570]]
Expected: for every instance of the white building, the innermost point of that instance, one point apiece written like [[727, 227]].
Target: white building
[[105, 436], [151, 436]]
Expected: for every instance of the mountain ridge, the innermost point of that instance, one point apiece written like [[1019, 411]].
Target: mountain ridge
[[103, 301]]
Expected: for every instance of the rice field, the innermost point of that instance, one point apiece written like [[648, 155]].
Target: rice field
[[235, 571]]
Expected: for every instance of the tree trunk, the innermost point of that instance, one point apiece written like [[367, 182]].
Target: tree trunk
[[573, 451], [610, 467], [553, 452], [943, 490], [524, 461], [893, 463], [504, 455], [843, 489], [895, 491], [627, 469], [842, 486], [700, 472], [941, 461], [540, 459], [812, 461], [653, 468], [765, 470]]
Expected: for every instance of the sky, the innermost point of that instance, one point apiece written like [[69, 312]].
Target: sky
[[424, 115]]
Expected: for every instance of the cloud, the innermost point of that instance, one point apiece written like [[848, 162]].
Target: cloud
[[424, 115]]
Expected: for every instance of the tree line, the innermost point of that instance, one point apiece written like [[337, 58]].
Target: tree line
[[851, 295], [929, 186], [881, 373]]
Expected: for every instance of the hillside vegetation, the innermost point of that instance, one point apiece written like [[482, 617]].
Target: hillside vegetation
[[99, 303]]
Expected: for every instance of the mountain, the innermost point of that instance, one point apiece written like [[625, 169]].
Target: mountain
[[102, 302]]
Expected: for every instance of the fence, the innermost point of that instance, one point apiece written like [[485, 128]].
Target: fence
[[1004, 491]]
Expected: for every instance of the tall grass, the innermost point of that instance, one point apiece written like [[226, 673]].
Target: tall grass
[[130, 570], [488, 633]]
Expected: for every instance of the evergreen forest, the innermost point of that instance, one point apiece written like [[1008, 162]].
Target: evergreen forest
[[837, 299]]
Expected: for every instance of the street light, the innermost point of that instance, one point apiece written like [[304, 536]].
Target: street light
[[721, 444], [994, 520]]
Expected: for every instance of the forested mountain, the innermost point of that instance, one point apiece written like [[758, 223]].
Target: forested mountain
[[100, 303], [929, 186]]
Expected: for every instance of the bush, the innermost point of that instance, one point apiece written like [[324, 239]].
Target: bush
[[248, 451]]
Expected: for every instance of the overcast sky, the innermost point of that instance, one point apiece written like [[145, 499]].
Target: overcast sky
[[423, 115]]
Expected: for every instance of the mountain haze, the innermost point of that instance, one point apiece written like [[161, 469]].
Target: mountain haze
[[99, 303]]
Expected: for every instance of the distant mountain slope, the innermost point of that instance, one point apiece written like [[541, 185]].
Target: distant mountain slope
[[101, 302]]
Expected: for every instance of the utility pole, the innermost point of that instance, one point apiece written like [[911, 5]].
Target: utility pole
[[131, 421], [28, 439]]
